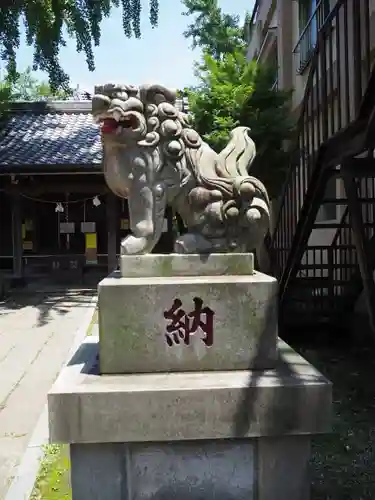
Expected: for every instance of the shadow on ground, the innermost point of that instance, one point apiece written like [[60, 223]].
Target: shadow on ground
[[48, 299], [343, 462]]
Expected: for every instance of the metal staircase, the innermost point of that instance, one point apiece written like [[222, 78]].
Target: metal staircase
[[323, 245]]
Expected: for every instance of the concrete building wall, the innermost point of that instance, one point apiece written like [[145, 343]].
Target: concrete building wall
[[260, 27], [284, 15]]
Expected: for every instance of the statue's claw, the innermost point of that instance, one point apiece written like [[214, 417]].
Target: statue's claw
[[132, 245]]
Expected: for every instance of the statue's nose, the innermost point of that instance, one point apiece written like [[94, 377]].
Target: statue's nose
[[99, 102], [131, 104]]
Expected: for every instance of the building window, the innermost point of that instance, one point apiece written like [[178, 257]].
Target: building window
[[328, 211], [312, 15], [312, 12]]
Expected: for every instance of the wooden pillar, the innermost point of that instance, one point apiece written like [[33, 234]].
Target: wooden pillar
[[17, 234], [112, 223]]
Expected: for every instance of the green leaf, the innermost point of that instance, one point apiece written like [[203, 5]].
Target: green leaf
[[232, 92], [44, 21]]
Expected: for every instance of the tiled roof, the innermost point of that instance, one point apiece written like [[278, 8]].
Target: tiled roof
[[55, 133], [53, 137]]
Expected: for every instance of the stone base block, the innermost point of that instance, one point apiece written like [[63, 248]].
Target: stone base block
[[187, 323], [253, 469], [168, 265], [85, 407], [192, 436]]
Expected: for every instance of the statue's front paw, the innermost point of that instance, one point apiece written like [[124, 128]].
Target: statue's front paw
[[133, 246]]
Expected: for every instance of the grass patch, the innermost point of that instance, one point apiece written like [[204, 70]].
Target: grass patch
[[94, 321], [53, 480]]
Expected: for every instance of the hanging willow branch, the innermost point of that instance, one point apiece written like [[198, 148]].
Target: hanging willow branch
[[44, 21]]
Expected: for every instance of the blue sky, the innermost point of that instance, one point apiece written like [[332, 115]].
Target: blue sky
[[163, 55]]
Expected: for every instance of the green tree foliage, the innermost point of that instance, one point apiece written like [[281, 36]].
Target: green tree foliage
[[233, 91], [28, 88], [212, 30], [44, 21]]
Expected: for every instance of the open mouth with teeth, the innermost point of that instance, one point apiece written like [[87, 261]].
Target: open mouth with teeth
[[117, 122], [110, 125]]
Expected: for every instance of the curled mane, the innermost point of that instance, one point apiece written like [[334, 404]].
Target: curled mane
[[238, 155], [190, 155], [233, 162]]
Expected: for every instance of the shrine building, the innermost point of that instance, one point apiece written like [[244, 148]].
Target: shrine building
[[56, 213]]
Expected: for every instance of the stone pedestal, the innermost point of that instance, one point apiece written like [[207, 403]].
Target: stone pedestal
[[209, 435], [185, 316], [224, 411]]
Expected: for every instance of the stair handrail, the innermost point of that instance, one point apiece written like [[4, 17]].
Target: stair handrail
[[321, 163], [308, 88], [325, 149]]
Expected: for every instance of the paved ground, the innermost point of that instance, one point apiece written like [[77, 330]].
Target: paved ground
[[37, 330]]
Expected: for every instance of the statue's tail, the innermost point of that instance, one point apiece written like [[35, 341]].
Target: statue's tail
[[237, 157]]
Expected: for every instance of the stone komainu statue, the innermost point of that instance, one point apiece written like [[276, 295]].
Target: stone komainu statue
[[153, 158]]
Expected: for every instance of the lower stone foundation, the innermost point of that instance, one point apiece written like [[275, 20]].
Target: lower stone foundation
[[239, 435], [252, 469]]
